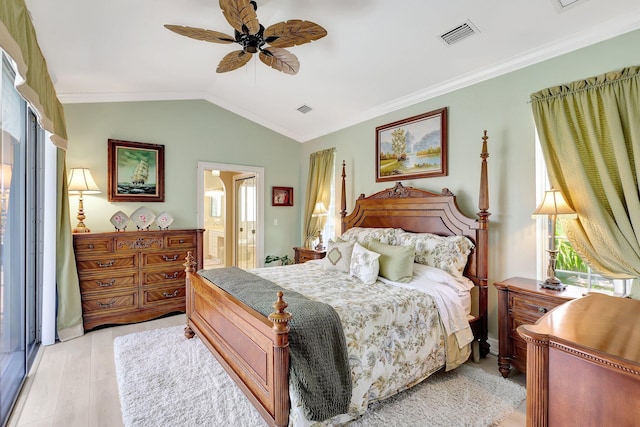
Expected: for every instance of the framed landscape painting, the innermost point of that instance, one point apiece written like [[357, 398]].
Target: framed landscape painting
[[412, 148], [136, 171]]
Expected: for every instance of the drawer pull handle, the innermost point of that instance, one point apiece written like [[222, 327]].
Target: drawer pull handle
[[172, 295], [108, 305], [542, 310], [90, 245], [106, 264], [181, 241], [169, 259], [106, 284], [171, 276]]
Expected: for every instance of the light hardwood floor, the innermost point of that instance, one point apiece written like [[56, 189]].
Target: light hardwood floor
[[74, 383]]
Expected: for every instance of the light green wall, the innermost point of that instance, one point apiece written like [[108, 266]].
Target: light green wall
[[191, 131], [500, 106], [196, 130]]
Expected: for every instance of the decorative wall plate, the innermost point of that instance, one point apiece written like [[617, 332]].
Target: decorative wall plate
[[164, 220], [119, 220], [143, 217]]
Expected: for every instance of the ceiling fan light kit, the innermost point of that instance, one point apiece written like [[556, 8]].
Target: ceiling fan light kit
[[269, 43]]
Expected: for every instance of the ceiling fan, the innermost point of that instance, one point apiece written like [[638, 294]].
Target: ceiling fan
[[270, 43]]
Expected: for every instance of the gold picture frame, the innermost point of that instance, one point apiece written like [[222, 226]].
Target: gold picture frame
[[136, 171], [415, 147]]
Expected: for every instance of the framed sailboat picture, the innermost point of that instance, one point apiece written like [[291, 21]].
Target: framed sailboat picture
[[136, 171]]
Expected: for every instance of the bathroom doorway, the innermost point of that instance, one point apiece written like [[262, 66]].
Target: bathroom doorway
[[230, 210]]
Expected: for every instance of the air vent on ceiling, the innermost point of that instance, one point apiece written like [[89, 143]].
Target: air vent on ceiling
[[304, 109], [566, 3], [462, 31]]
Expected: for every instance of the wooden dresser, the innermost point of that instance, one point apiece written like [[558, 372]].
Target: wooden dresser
[[128, 277], [522, 301], [583, 364], [307, 254]]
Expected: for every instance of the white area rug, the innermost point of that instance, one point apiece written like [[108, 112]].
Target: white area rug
[[165, 379]]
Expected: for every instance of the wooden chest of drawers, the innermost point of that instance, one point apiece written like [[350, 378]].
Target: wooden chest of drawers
[[133, 276], [522, 302], [306, 254]]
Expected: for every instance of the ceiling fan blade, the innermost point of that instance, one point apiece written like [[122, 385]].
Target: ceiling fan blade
[[201, 34], [241, 15], [293, 32], [280, 59], [233, 61]]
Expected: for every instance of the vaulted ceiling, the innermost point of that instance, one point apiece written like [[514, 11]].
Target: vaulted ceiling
[[378, 56]]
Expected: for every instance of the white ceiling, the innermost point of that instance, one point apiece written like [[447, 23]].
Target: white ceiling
[[378, 56]]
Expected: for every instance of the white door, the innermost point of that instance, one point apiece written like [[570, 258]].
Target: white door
[[244, 197], [246, 221]]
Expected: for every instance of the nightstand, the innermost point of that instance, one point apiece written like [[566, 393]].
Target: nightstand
[[522, 302], [305, 254]]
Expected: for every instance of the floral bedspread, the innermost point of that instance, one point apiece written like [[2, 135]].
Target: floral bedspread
[[394, 335]]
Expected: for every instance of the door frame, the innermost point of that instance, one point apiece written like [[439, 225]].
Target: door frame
[[259, 173]]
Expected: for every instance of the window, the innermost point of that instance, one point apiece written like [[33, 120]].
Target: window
[[21, 233], [570, 268]]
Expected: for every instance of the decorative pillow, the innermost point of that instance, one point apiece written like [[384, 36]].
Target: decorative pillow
[[364, 235], [338, 255], [396, 262], [364, 264], [448, 253]]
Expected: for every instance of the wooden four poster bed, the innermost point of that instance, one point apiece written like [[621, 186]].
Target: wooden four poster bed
[[254, 348]]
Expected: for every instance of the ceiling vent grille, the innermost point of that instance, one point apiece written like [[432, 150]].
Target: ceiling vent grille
[[566, 3], [304, 109], [461, 32]]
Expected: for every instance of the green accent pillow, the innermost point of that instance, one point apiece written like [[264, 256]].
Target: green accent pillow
[[396, 262]]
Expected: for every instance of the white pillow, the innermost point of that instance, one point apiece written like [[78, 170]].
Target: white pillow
[[364, 264], [461, 285], [338, 256]]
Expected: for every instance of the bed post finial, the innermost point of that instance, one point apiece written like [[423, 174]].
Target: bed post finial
[[190, 263], [483, 200], [279, 317], [343, 200]]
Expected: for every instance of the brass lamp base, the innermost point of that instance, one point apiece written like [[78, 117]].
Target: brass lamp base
[[81, 228], [319, 246]]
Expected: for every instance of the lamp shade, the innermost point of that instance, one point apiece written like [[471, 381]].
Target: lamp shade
[[81, 181], [553, 203], [320, 210]]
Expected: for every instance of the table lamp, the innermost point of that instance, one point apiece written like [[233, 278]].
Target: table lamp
[[552, 205], [81, 182], [318, 211]]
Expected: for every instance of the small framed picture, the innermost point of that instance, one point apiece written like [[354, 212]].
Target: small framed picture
[[282, 196]]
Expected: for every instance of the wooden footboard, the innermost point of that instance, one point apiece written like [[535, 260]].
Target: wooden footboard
[[253, 349]]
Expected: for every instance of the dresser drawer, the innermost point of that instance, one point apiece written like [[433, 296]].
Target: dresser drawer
[[106, 263], [136, 243], [109, 302], [164, 259], [102, 283], [530, 306], [155, 277], [182, 241], [90, 246], [164, 295]]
